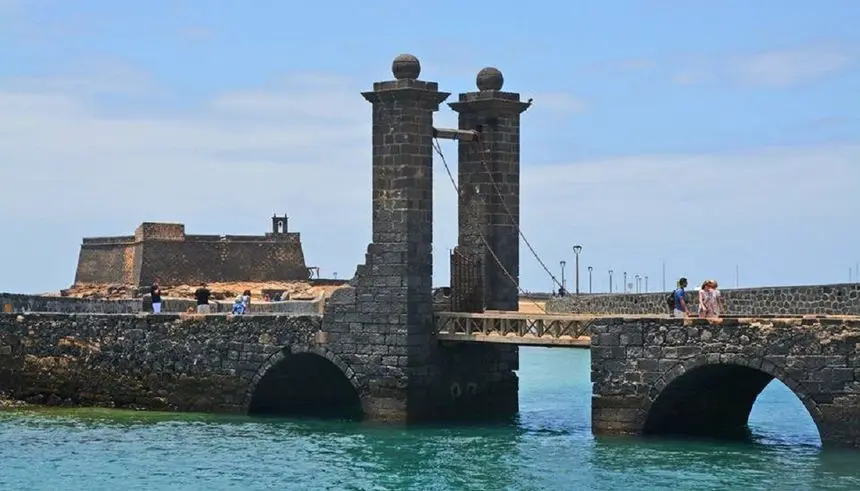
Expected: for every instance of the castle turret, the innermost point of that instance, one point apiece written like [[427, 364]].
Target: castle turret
[[279, 224]]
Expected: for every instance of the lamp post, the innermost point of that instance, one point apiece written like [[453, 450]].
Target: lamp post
[[637, 278], [335, 275], [646, 283], [563, 264], [625, 282], [576, 250], [610, 281], [590, 269]]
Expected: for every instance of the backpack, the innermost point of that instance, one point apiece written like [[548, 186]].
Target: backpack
[[670, 300]]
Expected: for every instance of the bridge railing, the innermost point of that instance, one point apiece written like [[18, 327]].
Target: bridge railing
[[453, 325]]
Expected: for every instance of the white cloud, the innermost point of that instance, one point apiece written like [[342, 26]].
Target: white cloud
[[781, 68], [302, 145], [776, 68]]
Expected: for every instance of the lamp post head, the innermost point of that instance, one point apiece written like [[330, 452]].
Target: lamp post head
[[562, 263], [577, 249], [610, 271], [589, 269]]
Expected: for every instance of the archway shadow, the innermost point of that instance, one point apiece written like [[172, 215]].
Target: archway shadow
[[711, 402], [305, 385]]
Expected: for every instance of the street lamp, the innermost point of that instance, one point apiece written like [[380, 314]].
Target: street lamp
[[625, 282], [610, 281], [589, 278], [335, 274], [576, 250], [637, 278], [563, 264], [646, 283]]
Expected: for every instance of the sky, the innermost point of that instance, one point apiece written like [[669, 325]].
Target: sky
[[721, 139]]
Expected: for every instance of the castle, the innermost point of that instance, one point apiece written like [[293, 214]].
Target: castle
[[165, 252]]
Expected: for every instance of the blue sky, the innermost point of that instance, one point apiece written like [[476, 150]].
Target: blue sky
[[703, 134]]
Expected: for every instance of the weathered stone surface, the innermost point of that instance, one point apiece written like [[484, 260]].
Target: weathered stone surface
[[702, 377], [40, 303], [163, 362], [785, 300], [164, 251]]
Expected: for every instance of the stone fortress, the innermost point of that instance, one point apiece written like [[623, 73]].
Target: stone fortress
[[164, 251]]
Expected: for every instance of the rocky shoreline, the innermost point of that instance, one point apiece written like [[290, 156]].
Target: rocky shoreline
[[7, 402]]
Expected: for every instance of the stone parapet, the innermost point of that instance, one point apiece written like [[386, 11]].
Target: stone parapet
[[13, 302], [780, 300]]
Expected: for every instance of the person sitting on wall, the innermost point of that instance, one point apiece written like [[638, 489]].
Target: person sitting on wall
[[246, 299], [238, 306], [155, 295], [202, 294]]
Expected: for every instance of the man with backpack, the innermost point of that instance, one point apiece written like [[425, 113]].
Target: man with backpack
[[677, 300]]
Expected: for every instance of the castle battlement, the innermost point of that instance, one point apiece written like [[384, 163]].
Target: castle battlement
[[164, 251]]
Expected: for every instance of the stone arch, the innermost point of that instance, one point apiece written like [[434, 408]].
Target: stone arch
[[705, 396], [286, 377]]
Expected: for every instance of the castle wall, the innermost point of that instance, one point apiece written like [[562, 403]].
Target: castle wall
[[163, 251], [110, 260], [194, 260]]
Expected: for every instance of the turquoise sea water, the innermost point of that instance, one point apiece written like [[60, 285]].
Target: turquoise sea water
[[549, 448]]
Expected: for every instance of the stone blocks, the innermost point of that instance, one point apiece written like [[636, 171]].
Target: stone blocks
[[784, 300], [160, 362], [698, 376]]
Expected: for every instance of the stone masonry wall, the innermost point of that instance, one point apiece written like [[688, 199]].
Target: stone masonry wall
[[692, 376], [13, 302], [164, 251], [159, 362], [783, 300], [108, 263], [190, 262]]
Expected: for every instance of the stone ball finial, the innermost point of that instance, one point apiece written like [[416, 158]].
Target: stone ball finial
[[406, 66], [490, 78]]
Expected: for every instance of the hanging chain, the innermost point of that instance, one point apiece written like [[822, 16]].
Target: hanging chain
[[438, 148]]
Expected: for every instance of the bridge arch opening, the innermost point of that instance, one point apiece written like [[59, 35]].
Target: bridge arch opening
[[716, 401], [305, 385]]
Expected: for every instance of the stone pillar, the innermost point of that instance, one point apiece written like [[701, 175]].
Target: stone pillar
[[481, 378], [388, 317], [487, 209]]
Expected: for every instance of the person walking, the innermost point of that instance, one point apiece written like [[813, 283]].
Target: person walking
[[678, 299], [710, 300]]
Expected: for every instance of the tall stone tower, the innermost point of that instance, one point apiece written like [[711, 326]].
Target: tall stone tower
[[390, 306], [489, 180]]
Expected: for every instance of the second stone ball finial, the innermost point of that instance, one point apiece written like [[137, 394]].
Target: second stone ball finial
[[406, 66], [490, 78]]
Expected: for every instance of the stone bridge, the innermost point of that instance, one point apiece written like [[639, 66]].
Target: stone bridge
[[382, 351], [257, 364], [701, 378]]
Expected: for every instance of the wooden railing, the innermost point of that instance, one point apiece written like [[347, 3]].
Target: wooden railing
[[514, 328]]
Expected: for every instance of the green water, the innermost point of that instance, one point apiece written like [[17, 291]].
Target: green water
[[550, 447]]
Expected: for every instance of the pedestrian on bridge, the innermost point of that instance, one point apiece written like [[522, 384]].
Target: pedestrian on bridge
[[678, 300]]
